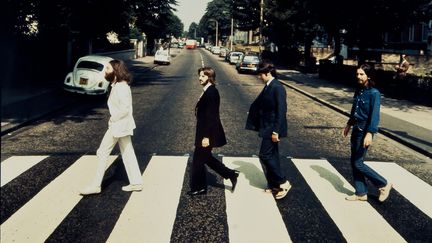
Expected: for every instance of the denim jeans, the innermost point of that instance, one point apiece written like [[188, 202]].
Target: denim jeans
[[360, 170]]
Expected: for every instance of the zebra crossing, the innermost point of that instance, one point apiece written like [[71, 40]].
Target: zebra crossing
[[251, 214]]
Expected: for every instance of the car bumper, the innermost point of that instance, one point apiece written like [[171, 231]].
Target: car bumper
[[248, 69], [80, 90]]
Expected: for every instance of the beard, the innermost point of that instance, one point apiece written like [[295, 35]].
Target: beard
[[110, 77]]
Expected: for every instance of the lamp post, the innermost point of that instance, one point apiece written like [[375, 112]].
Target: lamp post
[[261, 24], [232, 34], [217, 26]]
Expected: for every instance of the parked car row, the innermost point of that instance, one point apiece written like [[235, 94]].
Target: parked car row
[[244, 62]]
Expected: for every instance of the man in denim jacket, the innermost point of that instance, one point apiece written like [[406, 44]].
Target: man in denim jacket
[[364, 119]]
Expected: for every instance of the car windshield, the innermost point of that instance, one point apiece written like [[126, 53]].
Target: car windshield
[[90, 65], [251, 59]]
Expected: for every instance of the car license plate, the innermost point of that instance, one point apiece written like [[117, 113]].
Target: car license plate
[[83, 81], [251, 65]]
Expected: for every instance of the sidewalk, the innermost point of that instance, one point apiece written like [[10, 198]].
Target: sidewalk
[[20, 106], [401, 120]]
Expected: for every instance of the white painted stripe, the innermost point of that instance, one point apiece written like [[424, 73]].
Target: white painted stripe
[[39, 217], [358, 221], [411, 187], [253, 215], [149, 215], [16, 165]]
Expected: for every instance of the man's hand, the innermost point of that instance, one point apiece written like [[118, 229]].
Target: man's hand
[[205, 142], [275, 137], [346, 130], [367, 140]]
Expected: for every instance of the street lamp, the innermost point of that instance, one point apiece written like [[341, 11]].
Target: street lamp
[[217, 26], [261, 24]]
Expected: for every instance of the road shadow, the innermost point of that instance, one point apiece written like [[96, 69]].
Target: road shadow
[[252, 173], [334, 179]]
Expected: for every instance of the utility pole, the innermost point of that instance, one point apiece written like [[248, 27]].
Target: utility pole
[[232, 34], [261, 25]]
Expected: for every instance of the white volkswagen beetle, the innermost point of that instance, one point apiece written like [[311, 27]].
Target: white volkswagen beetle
[[88, 76]]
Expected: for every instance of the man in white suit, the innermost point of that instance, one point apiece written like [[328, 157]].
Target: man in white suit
[[120, 129]]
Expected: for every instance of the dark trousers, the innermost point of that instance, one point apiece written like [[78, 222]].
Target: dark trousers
[[203, 156], [360, 170], [269, 158]]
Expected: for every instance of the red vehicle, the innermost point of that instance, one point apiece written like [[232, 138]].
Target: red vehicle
[[191, 44]]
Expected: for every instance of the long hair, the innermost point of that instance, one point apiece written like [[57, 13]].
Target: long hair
[[120, 71], [370, 73], [209, 72]]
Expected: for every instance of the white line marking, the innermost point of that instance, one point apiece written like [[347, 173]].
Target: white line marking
[[358, 221], [16, 165], [411, 187], [149, 215], [39, 217], [253, 215]]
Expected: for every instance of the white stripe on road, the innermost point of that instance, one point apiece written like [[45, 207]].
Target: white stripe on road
[[149, 215], [358, 221], [16, 165], [39, 217], [411, 187], [253, 215]]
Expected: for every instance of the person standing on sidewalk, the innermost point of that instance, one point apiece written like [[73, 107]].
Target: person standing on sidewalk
[[364, 119], [267, 115], [120, 129], [209, 134]]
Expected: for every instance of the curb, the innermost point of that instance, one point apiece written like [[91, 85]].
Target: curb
[[342, 111]]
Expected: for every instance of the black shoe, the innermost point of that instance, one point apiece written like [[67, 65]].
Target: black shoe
[[197, 192], [233, 180]]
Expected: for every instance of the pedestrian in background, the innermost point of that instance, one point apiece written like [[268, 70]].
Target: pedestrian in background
[[402, 68], [364, 118], [209, 134], [120, 129], [267, 115]]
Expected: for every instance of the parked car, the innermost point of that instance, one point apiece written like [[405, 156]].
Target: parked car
[[234, 56], [88, 76], [248, 63], [216, 50], [223, 52], [162, 57]]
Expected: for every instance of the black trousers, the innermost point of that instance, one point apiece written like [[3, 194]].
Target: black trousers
[[203, 156], [269, 158]]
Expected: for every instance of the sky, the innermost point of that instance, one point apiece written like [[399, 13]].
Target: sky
[[191, 11]]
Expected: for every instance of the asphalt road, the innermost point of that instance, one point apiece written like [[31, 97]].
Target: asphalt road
[[164, 100]]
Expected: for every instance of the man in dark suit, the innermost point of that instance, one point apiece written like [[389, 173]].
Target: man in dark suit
[[209, 134], [267, 116]]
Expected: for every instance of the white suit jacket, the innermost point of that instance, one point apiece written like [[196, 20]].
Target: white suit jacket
[[121, 122]]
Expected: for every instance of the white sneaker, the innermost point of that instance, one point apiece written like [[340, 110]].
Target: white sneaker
[[90, 190], [354, 197], [133, 187], [384, 192], [284, 188]]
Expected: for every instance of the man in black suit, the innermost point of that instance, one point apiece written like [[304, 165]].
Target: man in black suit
[[267, 115], [209, 134]]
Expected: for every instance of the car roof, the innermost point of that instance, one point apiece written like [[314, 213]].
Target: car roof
[[96, 58]]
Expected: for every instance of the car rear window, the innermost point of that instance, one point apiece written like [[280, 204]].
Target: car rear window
[[90, 65], [251, 58]]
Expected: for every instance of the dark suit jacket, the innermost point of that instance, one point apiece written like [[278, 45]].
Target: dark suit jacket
[[208, 119], [267, 114]]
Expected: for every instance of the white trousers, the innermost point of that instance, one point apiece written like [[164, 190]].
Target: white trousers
[[128, 155]]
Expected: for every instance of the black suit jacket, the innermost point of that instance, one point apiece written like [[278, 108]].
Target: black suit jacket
[[267, 114], [208, 119]]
